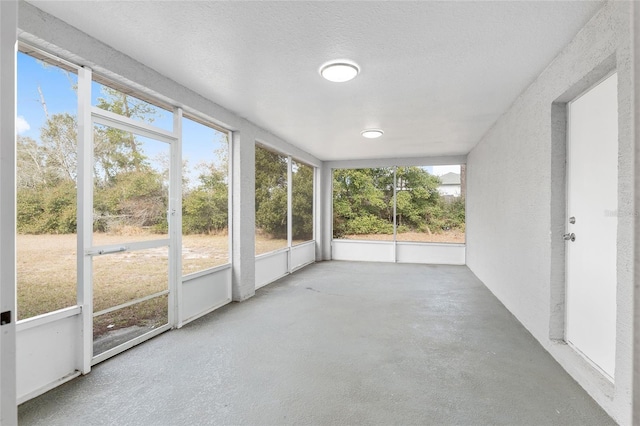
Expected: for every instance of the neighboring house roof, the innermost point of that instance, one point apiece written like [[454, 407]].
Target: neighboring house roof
[[450, 179]]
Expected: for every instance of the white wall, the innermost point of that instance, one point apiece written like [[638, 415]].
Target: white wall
[[204, 292], [8, 22], [449, 190], [516, 202], [400, 252]]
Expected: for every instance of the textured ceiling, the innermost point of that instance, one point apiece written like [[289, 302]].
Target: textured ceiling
[[434, 75]]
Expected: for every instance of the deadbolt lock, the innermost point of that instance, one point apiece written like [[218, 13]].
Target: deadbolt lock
[[569, 237], [572, 220]]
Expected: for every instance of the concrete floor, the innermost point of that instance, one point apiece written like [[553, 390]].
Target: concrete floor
[[335, 343]]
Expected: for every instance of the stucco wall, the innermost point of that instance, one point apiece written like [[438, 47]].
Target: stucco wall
[[516, 201]]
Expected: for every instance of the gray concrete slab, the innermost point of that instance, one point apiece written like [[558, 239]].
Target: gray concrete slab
[[335, 343]]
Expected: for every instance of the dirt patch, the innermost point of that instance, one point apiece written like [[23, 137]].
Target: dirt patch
[[419, 237], [46, 267]]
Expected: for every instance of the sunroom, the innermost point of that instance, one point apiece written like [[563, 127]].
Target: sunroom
[[162, 162]]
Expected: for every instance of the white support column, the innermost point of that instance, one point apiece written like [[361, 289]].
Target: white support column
[[635, 55], [8, 40], [289, 210], [395, 214], [174, 219], [317, 212], [244, 213], [85, 219], [326, 205]]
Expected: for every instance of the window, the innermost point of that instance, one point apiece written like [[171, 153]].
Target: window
[[123, 103], [46, 173], [205, 197], [271, 200], [131, 187], [363, 204], [301, 202], [429, 204]]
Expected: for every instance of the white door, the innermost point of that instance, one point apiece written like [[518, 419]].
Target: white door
[[592, 203], [130, 250]]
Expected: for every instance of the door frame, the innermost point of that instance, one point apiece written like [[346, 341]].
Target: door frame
[[567, 228], [558, 195], [89, 115]]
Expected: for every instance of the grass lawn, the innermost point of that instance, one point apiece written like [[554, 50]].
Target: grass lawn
[[46, 268], [453, 236], [46, 271]]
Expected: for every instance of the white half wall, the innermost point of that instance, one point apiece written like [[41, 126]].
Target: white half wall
[[276, 264], [433, 253], [401, 252], [271, 266], [516, 202], [363, 251], [47, 352], [302, 255], [204, 292]]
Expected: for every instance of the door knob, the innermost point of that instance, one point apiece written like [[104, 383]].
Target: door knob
[[569, 237]]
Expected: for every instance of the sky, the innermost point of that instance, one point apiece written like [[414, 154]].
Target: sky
[[441, 170], [199, 142]]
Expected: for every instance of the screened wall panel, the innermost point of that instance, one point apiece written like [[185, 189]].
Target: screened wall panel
[[427, 204], [430, 204], [121, 101], [301, 202], [205, 197], [131, 187], [271, 200], [46, 177], [363, 204]]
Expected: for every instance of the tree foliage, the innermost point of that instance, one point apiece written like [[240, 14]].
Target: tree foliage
[[271, 196], [302, 202], [271, 192], [363, 202], [130, 189], [205, 207]]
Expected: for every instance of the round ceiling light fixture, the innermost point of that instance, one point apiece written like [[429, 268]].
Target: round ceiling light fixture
[[339, 71], [372, 133]]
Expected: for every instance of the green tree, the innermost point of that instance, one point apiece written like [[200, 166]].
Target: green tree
[[136, 198], [363, 201], [417, 199], [59, 140], [30, 163], [205, 207], [128, 191], [271, 192], [47, 209], [302, 202]]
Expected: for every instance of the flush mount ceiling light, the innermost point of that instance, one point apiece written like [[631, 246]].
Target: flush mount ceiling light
[[339, 71], [372, 133]]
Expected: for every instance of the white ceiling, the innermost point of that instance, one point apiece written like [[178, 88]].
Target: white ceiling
[[434, 75]]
